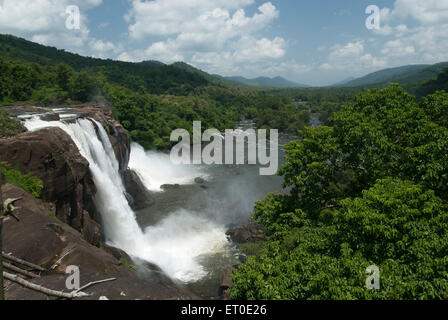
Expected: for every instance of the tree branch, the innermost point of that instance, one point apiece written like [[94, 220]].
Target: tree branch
[[20, 271], [22, 262], [74, 294]]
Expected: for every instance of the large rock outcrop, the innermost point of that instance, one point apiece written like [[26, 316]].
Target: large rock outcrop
[[138, 196], [43, 240], [52, 156]]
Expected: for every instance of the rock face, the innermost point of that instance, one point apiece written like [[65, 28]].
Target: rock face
[[251, 232], [169, 186], [51, 155], [226, 284], [118, 135], [47, 242], [138, 196]]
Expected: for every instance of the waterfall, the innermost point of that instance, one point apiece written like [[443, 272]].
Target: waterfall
[[176, 243], [120, 226], [155, 169]]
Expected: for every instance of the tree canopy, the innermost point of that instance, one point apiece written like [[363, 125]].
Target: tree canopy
[[371, 190]]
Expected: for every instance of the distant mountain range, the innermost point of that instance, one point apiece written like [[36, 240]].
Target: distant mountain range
[[277, 82], [404, 75], [157, 76], [343, 82]]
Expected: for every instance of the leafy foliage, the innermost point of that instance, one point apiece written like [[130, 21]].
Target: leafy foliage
[[371, 190], [8, 126], [27, 181], [149, 98]]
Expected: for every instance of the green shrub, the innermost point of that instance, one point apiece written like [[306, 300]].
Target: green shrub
[[9, 127], [27, 182], [128, 265]]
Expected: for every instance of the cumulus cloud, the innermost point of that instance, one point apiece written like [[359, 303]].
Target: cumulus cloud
[[351, 56], [216, 34], [428, 12], [426, 40], [412, 31], [43, 21]]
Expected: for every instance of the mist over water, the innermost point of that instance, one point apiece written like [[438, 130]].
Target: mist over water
[[155, 169]]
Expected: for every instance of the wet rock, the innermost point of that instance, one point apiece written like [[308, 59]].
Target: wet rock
[[138, 196], [251, 232], [226, 282], [51, 155], [91, 230], [240, 235], [169, 186], [199, 180], [50, 117], [117, 253], [118, 136]]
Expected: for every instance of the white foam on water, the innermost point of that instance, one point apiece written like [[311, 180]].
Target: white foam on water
[[156, 169]]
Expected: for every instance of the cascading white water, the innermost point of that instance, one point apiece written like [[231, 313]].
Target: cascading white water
[[175, 243], [155, 169]]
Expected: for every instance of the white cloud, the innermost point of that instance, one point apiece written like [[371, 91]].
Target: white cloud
[[428, 12], [43, 21], [351, 56], [170, 17], [425, 42], [412, 31], [216, 34]]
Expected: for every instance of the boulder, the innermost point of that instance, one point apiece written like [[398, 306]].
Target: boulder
[[51, 155], [169, 186], [50, 117], [226, 283], [251, 232], [138, 196], [199, 180]]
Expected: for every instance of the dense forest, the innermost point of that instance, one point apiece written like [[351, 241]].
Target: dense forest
[[149, 98], [370, 190]]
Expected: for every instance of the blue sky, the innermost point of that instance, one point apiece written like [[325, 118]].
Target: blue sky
[[312, 42]]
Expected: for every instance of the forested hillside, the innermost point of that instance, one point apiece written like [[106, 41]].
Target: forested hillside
[[149, 98], [411, 77]]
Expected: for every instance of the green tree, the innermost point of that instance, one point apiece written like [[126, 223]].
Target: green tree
[[64, 73], [371, 190], [396, 225]]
